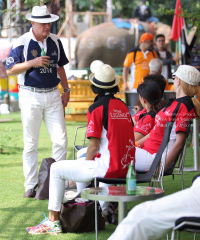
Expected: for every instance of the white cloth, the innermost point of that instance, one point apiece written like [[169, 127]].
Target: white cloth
[[153, 219], [36, 107]]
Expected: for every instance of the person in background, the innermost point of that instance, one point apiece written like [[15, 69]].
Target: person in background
[[137, 60], [157, 78], [155, 66], [143, 12], [152, 220], [150, 96], [165, 56], [39, 98], [109, 153]]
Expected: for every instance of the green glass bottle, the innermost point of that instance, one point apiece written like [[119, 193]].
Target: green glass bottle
[[43, 52], [131, 180]]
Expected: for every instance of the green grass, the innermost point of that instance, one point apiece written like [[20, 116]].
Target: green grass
[[17, 212]]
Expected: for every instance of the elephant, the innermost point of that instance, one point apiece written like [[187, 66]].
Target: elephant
[[110, 44]]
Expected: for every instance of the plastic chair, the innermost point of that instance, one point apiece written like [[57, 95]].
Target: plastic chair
[[78, 147], [189, 224]]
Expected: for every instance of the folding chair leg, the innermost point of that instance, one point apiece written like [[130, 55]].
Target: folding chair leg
[[182, 181], [173, 234], [96, 213], [195, 236]]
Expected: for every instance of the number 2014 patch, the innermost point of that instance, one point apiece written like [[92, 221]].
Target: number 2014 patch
[[45, 70]]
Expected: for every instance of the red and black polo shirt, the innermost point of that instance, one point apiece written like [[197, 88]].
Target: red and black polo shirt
[[139, 114], [184, 115], [146, 123], [109, 120]]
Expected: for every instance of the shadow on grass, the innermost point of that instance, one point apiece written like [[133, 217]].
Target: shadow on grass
[[15, 220]]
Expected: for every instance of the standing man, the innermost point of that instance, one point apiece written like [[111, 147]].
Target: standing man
[[137, 60], [165, 56], [39, 99]]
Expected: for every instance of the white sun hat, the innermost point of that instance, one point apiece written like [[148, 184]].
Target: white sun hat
[[41, 14], [94, 65], [188, 74], [104, 77]]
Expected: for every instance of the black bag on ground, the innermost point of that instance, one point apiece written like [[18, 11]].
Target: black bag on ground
[[43, 179], [80, 217]]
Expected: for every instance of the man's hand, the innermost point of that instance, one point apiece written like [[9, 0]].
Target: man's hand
[[65, 98], [176, 58], [41, 61], [126, 88]]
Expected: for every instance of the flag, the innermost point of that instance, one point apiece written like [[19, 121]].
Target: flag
[[178, 22]]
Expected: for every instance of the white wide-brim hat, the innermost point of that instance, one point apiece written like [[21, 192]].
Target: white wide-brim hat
[[94, 65], [41, 14], [188, 74], [104, 77]]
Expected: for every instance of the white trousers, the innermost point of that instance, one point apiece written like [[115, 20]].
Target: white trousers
[[36, 107], [75, 170], [143, 159], [153, 219]]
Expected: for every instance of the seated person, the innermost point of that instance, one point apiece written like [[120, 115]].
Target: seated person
[[154, 219], [187, 79], [110, 151], [150, 97], [159, 79]]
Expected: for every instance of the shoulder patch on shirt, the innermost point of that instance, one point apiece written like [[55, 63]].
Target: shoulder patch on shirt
[[9, 60]]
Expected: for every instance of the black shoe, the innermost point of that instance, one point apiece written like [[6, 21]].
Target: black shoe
[[31, 192]]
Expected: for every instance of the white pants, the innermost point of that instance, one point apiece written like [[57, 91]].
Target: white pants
[[75, 170], [153, 219], [81, 186], [36, 107], [143, 159]]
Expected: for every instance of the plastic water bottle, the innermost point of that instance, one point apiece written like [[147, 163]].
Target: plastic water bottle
[[131, 180], [43, 52]]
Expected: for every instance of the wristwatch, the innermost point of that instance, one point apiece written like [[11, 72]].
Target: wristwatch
[[67, 90]]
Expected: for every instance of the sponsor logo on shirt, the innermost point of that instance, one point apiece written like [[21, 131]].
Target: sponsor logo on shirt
[[54, 53], [118, 114], [34, 53], [145, 127], [125, 161], [90, 127], [9, 61]]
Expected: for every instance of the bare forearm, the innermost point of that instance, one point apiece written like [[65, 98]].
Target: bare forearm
[[125, 74], [93, 148], [91, 153], [142, 141], [19, 68], [173, 153]]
